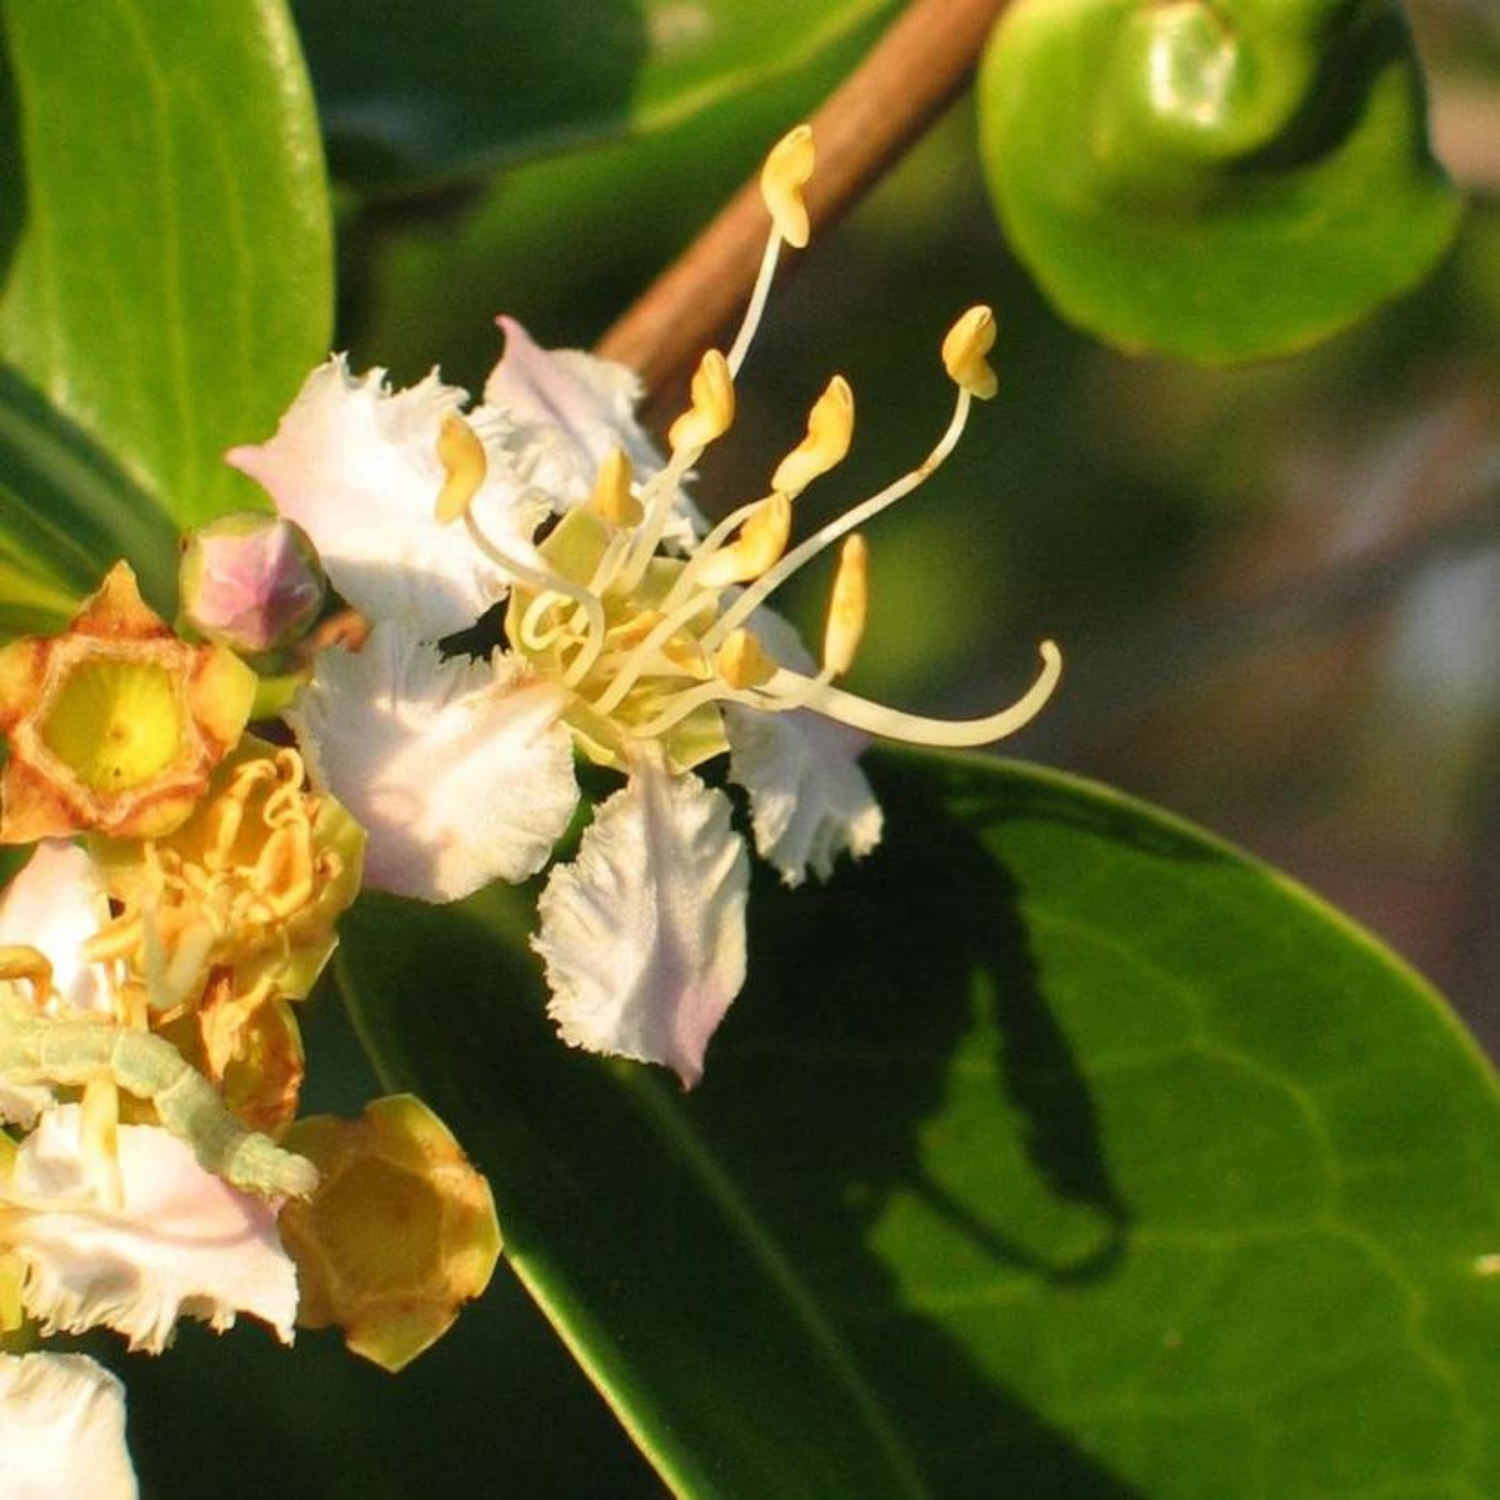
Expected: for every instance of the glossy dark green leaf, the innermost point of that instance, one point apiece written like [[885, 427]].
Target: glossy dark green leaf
[[1221, 181], [167, 272], [437, 88], [66, 514], [1055, 1151]]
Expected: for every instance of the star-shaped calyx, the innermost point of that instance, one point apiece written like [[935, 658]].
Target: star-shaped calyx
[[115, 724]]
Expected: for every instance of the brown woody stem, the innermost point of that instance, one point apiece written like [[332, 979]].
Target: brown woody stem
[[915, 69]]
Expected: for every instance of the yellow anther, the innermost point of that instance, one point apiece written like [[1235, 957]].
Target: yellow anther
[[462, 456], [848, 604], [712, 408], [787, 171], [964, 350], [20, 961], [759, 546], [742, 661], [830, 430], [612, 500]]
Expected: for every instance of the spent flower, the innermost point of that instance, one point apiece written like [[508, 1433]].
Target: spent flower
[[116, 724]]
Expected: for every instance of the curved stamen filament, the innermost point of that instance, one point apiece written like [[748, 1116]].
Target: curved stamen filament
[[756, 307], [642, 657], [542, 581], [805, 551], [657, 495], [679, 705], [532, 635], [790, 689]]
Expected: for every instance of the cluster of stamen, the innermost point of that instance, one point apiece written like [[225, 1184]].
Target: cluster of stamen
[[234, 887], [651, 644]]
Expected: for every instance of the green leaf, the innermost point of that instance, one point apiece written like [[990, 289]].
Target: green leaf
[[168, 279], [66, 514], [447, 88], [1222, 181], [1056, 1150]]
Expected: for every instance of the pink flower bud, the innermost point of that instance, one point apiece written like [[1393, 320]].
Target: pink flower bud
[[251, 582]]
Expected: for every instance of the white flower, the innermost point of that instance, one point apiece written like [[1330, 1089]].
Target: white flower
[[62, 1430], [461, 770], [178, 1240], [356, 466], [53, 906], [628, 637]]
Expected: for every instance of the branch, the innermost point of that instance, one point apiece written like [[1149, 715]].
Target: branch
[[912, 73]]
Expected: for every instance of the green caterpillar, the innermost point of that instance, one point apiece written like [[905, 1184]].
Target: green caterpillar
[[34, 1049]]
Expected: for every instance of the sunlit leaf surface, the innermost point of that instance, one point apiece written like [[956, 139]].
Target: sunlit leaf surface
[[1055, 1151], [66, 514], [167, 273], [1219, 181]]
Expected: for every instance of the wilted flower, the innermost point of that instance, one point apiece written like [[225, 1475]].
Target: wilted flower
[[633, 638], [249, 887], [400, 1233], [115, 724]]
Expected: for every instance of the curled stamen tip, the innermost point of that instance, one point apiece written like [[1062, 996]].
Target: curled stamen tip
[[830, 430], [462, 456], [612, 499], [968, 342], [848, 605], [788, 169], [742, 661], [712, 409]]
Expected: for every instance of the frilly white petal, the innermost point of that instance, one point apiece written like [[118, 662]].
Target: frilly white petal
[[809, 800], [643, 935], [572, 410], [355, 465], [62, 1429], [460, 771], [575, 407], [56, 904], [181, 1241]]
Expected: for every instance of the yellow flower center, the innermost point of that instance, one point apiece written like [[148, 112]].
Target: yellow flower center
[[115, 722], [652, 645]]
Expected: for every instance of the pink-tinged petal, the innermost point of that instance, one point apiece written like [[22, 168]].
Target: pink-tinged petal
[[180, 1241], [62, 1429], [356, 466], [643, 935], [460, 771], [574, 409], [56, 904], [809, 800]]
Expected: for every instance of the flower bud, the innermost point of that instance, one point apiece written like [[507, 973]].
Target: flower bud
[[251, 582]]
